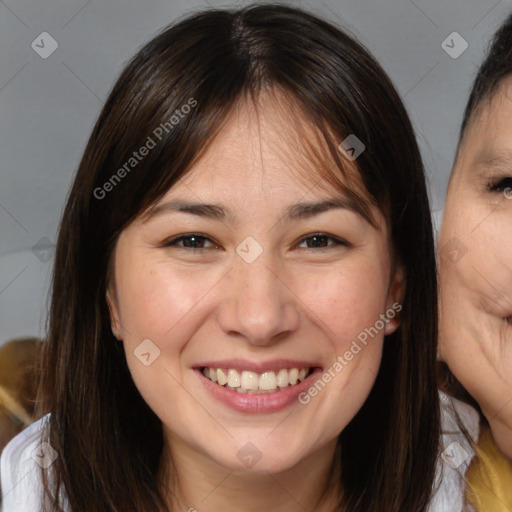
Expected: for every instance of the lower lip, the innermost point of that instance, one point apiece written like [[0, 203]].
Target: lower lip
[[258, 404]]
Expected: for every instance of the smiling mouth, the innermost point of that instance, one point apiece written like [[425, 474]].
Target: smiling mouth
[[252, 383]]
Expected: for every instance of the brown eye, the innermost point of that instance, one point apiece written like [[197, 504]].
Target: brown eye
[[321, 241], [193, 241]]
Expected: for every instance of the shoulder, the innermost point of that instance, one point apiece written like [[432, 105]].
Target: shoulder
[[456, 453], [21, 465]]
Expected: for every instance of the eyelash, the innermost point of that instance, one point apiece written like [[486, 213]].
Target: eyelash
[[501, 185], [174, 241]]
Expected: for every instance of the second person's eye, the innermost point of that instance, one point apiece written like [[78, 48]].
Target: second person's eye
[[501, 185]]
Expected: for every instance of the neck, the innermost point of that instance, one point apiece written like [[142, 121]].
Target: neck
[[197, 483]]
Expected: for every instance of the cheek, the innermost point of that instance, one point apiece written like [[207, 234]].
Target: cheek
[[493, 265], [485, 271], [347, 301], [154, 297], [482, 273], [476, 294]]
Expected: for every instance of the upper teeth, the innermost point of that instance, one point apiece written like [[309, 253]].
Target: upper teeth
[[245, 380]]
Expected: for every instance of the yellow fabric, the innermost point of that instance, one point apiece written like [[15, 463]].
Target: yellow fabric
[[489, 478]]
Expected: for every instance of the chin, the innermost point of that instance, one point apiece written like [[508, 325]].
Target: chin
[[250, 460]]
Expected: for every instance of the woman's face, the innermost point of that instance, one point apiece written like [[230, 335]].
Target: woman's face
[[260, 281], [476, 266]]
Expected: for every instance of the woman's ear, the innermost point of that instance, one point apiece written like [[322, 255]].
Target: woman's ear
[[114, 313], [395, 298]]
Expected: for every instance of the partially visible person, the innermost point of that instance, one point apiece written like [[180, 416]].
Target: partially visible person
[[476, 278]]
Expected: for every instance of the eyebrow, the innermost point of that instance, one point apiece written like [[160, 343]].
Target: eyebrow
[[301, 210]]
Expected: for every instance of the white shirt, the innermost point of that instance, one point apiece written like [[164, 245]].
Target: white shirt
[[21, 482], [20, 469], [456, 454]]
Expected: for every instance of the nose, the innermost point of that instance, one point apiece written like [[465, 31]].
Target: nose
[[258, 305]]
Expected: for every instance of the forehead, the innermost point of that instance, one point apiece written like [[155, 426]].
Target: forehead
[[271, 136], [255, 141], [487, 142], [270, 142]]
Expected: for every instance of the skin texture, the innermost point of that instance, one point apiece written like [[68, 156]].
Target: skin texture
[[294, 301], [476, 265]]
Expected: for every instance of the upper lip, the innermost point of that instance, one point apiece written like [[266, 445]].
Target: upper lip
[[257, 367]]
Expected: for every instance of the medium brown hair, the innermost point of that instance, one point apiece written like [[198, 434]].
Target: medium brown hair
[[109, 440]]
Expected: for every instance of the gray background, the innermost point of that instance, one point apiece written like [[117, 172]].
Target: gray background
[[48, 106]]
